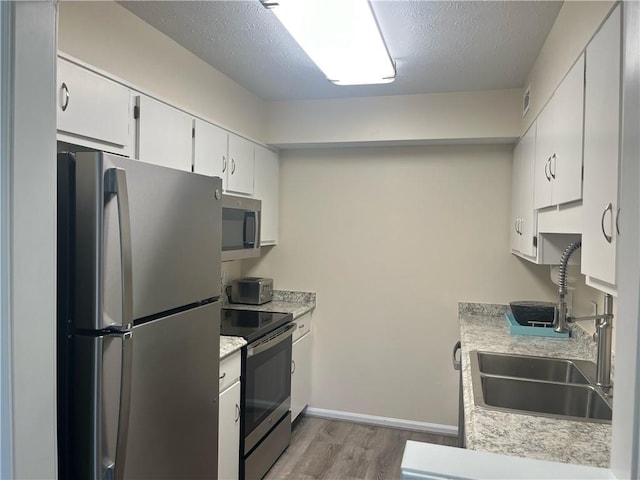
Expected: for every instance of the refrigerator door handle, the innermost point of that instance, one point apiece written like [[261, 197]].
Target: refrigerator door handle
[[113, 469], [115, 182]]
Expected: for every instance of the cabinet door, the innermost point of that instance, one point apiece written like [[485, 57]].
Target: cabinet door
[[229, 433], [267, 181], [528, 216], [164, 134], [241, 165], [210, 147], [566, 160], [300, 375], [92, 106], [601, 152], [516, 179], [544, 151]]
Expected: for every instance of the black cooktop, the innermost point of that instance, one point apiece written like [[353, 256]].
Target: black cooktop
[[251, 324]]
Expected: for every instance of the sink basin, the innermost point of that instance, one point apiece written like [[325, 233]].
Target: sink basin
[[537, 368], [550, 387], [565, 400]]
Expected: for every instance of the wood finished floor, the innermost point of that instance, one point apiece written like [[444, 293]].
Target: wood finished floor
[[335, 450]]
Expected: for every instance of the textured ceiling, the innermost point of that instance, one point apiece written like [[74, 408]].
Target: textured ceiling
[[438, 46]]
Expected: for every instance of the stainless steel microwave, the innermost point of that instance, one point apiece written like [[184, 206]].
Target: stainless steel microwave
[[240, 227]]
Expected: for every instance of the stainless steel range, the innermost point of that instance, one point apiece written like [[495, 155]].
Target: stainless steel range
[[265, 386]]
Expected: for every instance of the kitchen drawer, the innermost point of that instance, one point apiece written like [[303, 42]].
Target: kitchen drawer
[[229, 371], [304, 326]]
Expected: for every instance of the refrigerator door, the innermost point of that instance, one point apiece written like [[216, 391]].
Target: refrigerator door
[[173, 429], [147, 239], [99, 406]]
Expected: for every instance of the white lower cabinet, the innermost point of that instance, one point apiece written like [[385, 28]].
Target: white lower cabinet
[[229, 419], [301, 366]]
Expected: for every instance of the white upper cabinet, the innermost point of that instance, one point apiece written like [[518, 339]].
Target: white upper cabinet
[[523, 228], [92, 109], [241, 165], [267, 182], [601, 156], [210, 150], [558, 157], [164, 134]]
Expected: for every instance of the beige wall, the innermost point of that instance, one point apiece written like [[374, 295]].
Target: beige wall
[[108, 36], [574, 27], [449, 117], [391, 239]]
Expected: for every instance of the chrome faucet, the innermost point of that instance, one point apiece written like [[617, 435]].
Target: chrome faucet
[[604, 323], [560, 314]]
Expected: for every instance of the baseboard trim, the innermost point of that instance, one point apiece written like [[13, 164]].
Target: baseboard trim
[[383, 421]]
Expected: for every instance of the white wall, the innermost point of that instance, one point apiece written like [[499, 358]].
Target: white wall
[[30, 164], [391, 239], [108, 36], [434, 118]]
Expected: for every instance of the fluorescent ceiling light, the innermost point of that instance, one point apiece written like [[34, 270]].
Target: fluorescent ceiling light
[[340, 36]]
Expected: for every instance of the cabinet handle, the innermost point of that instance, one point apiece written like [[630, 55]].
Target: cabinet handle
[[293, 366], [515, 225], [609, 208], [546, 166], [520, 225], [65, 90], [224, 164], [233, 166], [552, 172], [617, 222], [223, 375], [237, 413]]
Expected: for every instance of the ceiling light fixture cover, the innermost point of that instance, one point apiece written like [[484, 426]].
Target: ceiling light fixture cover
[[340, 36]]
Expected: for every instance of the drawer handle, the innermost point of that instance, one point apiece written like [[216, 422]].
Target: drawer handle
[[609, 208], [237, 413], [223, 375], [293, 366], [301, 326], [65, 90]]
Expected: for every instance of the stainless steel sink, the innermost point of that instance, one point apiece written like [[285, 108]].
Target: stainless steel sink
[[537, 368], [566, 400], [541, 386]]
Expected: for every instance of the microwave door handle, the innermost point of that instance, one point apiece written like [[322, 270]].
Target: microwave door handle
[[249, 230], [115, 182]]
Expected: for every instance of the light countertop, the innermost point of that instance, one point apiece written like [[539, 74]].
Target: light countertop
[[483, 327]]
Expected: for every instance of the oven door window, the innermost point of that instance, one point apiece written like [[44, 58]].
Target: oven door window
[[238, 229], [268, 383]]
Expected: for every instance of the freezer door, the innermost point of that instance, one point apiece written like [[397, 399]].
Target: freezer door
[[147, 240], [99, 394], [173, 429]]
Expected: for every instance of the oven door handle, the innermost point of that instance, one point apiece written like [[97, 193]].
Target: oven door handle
[[272, 339]]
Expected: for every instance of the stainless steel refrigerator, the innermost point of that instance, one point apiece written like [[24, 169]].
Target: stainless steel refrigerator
[[138, 319]]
